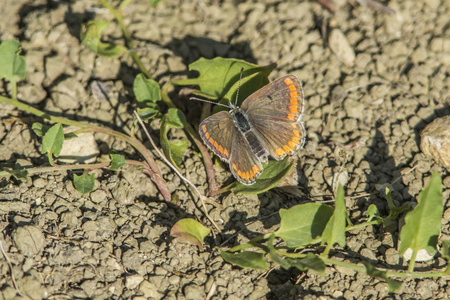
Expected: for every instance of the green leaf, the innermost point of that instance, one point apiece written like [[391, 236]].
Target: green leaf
[[334, 232], [218, 75], [90, 38], [153, 3], [173, 150], [12, 65], [423, 224], [117, 161], [52, 142], [274, 256], [39, 128], [394, 211], [84, 183], [246, 259], [146, 90], [372, 212], [149, 112], [310, 262], [271, 176], [303, 224], [190, 230], [393, 284], [19, 174]]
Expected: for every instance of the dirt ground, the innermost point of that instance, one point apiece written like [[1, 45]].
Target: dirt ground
[[372, 79]]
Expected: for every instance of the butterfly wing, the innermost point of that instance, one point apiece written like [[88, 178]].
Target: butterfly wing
[[244, 164], [217, 133], [222, 136], [274, 112]]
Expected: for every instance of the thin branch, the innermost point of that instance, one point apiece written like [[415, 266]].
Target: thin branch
[[202, 198]]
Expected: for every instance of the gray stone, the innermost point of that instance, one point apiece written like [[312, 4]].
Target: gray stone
[[29, 240]]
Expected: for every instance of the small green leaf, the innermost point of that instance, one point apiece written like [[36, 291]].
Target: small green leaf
[[153, 3], [84, 183], [423, 224], [52, 142], [149, 112], [218, 75], [70, 135], [117, 161], [274, 256], [310, 262], [90, 38], [394, 211], [146, 90], [372, 212], [173, 150], [393, 284], [246, 259], [19, 174], [271, 176], [12, 65], [334, 232], [39, 128], [303, 224], [191, 231]]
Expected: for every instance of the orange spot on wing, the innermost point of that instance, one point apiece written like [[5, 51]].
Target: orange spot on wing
[[207, 135], [292, 144], [221, 149], [291, 116], [293, 108], [216, 145], [294, 95], [240, 173], [225, 151], [279, 152], [296, 132], [288, 81], [287, 148], [234, 167], [293, 100], [204, 128], [295, 139], [255, 169], [292, 87], [211, 140], [251, 173]]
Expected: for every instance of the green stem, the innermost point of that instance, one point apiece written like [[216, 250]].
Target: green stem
[[412, 261], [193, 134], [126, 35], [14, 89], [41, 114], [156, 176]]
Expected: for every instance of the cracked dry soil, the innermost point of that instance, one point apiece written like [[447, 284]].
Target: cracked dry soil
[[372, 82]]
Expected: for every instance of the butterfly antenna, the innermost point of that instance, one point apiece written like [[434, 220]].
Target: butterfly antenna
[[208, 101], [239, 86]]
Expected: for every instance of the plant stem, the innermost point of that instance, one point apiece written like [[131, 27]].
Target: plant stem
[[155, 176], [193, 134], [41, 114], [126, 35]]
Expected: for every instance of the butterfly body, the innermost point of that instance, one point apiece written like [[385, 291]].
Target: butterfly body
[[267, 123]]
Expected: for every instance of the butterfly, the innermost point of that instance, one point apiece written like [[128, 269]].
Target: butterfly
[[267, 123]]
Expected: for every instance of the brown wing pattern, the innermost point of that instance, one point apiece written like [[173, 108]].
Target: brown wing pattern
[[244, 164], [275, 114], [217, 133]]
